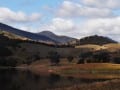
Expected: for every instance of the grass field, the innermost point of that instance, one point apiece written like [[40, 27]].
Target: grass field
[[109, 47], [88, 70]]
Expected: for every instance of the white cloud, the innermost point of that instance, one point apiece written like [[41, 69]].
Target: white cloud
[[102, 3], [8, 15], [26, 28], [106, 27], [102, 26], [62, 24], [72, 9], [59, 26]]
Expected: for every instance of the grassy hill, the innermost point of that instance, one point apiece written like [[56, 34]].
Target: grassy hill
[[32, 36], [12, 36], [97, 40]]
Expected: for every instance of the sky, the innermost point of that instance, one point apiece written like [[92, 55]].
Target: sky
[[75, 18]]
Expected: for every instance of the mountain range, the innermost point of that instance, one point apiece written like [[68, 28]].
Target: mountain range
[[61, 39], [50, 37], [44, 36]]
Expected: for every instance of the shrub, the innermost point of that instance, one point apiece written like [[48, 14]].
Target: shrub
[[84, 56], [54, 57], [101, 56], [11, 61], [117, 60], [70, 58], [4, 51]]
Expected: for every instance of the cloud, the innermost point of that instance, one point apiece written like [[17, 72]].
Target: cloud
[[59, 26], [72, 9], [106, 27], [102, 26], [8, 15], [56, 25], [102, 3]]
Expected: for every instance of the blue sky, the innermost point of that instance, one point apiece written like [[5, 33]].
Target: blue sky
[[30, 6], [76, 18]]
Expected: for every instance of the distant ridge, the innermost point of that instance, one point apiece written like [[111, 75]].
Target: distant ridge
[[60, 39], [95, 39], [25, 34]]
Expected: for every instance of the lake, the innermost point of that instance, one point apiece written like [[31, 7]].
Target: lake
[[11, 79]]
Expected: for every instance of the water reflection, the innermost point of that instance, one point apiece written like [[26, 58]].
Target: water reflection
[[53, 78], [25, 80]]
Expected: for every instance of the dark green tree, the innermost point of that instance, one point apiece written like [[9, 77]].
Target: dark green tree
[[83, 57], [80, 61], [117, 60], [54, 57], [70, 58], [101, 56], [4, 51]]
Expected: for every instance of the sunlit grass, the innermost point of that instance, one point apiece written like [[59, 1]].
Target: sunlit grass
[[88, 70]]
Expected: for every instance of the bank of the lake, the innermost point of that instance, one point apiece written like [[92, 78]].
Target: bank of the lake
[[88, 70]]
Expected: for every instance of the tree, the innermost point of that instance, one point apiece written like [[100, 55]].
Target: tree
[[70, 58], [84, 57], [81, 61], [86, 54], [117, 60], [4, 52], [101, 56], [54, 57], [11, 61]]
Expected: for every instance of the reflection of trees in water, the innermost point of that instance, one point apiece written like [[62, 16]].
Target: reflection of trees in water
[[53, 78], [25, 80], [70, 78], [6, 80]]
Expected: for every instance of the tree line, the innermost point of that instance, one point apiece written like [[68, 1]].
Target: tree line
[[87, 57], [55, 58]]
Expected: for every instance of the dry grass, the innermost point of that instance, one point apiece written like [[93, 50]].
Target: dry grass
[[112, 47], [90, 70], [109, 47], [94, 47]]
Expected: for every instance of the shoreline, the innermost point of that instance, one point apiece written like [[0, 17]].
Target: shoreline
[[92, 71]]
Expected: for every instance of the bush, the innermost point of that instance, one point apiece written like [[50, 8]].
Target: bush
[[54, 57], [84, 57], [117, 60], [11, 61], [101, 56], [81, 61], [4, 51], [70, 58]]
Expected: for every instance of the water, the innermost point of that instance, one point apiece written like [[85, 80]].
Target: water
[[11, 79]]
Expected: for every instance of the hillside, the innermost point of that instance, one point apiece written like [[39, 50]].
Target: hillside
[[14, 48], [12, 36], [98, 40], [26, 51], [29, 35], [61, 39]]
